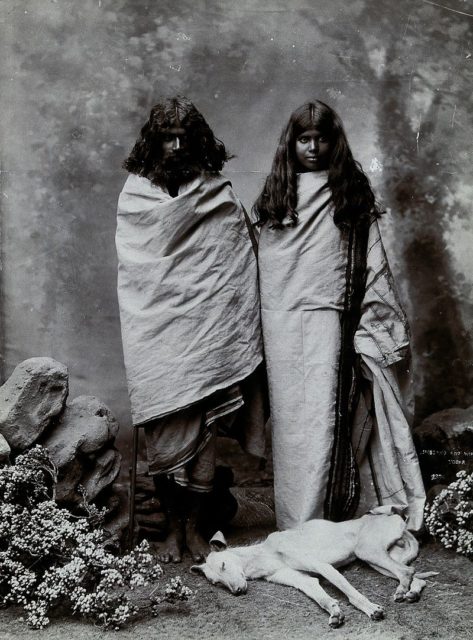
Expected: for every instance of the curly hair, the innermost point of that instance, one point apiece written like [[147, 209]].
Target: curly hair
[[351, 195], [204, 152]]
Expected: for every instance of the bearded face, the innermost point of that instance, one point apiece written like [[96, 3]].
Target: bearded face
[[176, 144], [177, 161]]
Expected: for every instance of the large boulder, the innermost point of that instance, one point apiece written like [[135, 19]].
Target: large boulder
[[444, 442], [87, 426], [81, 447], [31, 399], [79, 437]]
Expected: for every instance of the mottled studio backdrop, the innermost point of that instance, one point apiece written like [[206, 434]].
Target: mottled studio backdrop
[[79, 77]]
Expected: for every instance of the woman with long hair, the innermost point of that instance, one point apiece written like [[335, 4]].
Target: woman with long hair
[[335, 336]]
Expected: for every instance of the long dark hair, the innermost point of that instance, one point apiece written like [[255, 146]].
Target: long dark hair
[[351, 195], [204, 152]]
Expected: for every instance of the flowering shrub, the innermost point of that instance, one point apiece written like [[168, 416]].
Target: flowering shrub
[[175, 591], [450, 516], [49, 557]]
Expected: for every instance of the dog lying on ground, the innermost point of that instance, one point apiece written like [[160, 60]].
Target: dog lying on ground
[[379, 538]]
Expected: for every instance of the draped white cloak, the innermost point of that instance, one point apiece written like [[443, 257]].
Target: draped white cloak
[[187, 292], [302, 272]]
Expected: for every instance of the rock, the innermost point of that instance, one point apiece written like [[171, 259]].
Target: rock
[[116, 519], [105, 469], [444, 442], [31, 398], [69, 477], [117, 528], [87, 425], [79, 436], [4, 451], [112, 498]]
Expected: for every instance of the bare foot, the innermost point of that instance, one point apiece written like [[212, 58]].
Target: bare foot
[[196, 544], [171, 549]]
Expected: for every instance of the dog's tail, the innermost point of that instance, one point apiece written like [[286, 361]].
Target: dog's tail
[[426, 574]]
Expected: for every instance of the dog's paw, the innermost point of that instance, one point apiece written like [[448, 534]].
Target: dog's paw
[[412, 596], [377, 614], [399, 595], [336, 618]]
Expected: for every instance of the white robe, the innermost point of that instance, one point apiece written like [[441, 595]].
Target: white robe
[[188, 294], [302, 272]]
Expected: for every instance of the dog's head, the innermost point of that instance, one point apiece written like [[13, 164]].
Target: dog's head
[[223, 566]]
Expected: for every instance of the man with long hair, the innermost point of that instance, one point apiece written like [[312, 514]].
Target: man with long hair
[[189, 309]]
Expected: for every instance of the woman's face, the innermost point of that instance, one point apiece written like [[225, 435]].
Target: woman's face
[[312, 151]]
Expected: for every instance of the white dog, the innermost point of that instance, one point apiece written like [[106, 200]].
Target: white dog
[[379, 538]]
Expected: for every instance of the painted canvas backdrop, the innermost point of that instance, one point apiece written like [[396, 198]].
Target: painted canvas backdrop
[[78, 80]]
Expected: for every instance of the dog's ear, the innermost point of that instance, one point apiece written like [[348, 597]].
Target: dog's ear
[[218, 542], [198, 569]]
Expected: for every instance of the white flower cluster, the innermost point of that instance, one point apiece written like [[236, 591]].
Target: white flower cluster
[[49, 557], [174, 591], [449, 518]]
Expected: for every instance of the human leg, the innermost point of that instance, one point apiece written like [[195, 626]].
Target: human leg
[[171, 443], [201, 473], [171, 499]]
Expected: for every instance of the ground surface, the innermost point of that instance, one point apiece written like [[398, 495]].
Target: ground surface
[[270, 612], [274, 612]]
